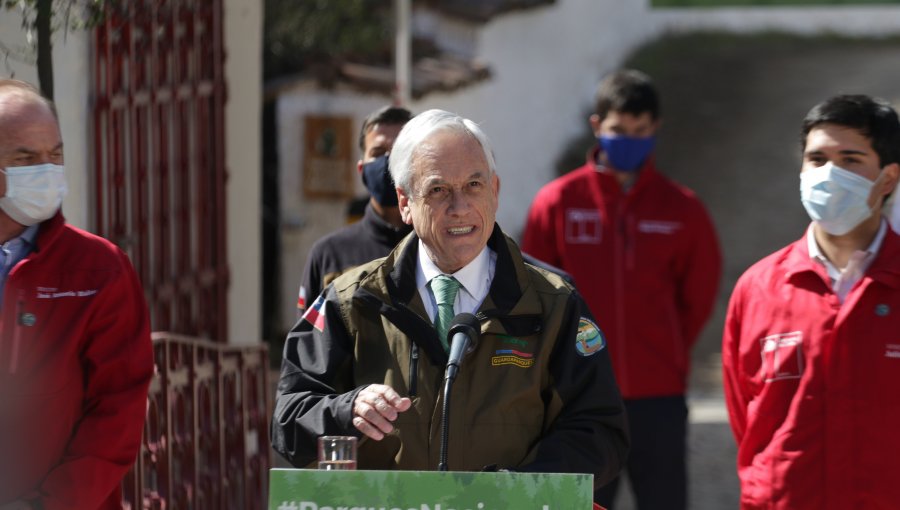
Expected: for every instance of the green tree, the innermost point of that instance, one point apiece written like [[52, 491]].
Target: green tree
[[41, 18], [317, 35]]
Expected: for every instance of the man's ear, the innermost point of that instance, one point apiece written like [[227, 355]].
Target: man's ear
[[595, 121], [359, 166], [403, 205], [891, 175]]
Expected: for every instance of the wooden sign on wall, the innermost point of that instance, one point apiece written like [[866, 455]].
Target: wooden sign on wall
[[327, 157]]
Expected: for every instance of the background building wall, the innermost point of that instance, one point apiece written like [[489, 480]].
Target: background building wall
[[243, 74]]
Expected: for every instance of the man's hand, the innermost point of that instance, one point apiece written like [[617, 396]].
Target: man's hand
[[375, 408]]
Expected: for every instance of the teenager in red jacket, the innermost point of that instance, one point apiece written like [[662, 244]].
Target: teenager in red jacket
[[811, 349], [646, 258], [75, 352]]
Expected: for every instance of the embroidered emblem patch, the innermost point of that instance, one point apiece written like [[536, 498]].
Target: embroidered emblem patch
[[512, 340], [583, 226], [512, 357], [315, 314], [782, 356], [590, 339]]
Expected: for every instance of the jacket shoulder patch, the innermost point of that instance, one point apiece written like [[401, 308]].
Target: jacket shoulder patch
[[590, 339]]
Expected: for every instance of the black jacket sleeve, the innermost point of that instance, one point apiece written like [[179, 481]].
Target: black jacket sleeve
[[315, 390], [590, 434]]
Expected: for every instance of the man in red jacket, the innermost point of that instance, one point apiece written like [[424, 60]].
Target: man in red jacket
[[75, 352], [645, 255], [811, 348]]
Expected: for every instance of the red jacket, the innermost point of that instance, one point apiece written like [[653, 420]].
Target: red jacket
[[647, 262], [813, 387], [75, 365]]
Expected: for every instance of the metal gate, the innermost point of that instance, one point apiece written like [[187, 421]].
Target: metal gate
[[159, 156]]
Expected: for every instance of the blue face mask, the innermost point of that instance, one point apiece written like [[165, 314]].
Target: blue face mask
[[378, 181], [626, 153]]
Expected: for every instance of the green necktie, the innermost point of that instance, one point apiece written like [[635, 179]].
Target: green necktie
[[444, 289]]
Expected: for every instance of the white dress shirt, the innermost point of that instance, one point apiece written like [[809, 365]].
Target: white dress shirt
[[475, 281], [842, 280]]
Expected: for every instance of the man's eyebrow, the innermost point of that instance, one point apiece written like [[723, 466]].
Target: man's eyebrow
[[844, 152], [26, 150]]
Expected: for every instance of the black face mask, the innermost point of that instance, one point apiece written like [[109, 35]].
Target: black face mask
[[378, 181]]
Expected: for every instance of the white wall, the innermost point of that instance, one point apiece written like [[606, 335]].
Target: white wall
[[545, 65], [864, 21], [71, 84], [243, 75]]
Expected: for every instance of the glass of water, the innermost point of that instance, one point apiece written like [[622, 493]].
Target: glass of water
[[337, 452]]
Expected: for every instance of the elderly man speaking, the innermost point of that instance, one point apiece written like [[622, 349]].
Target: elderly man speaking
[[536, 393]]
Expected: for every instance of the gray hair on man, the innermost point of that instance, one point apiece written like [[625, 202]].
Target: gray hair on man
[[418, 130]]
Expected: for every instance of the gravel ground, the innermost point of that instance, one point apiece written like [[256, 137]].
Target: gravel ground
[[711, 453]]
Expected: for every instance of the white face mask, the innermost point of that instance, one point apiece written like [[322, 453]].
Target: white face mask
[[33, 193], [836, 199]]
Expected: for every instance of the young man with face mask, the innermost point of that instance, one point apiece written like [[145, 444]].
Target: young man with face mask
[[810, 352], [644, 254], [75, 352], [380, 229]]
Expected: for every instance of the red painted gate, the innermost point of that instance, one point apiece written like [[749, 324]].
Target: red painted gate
[[159, 96], [159, 150]]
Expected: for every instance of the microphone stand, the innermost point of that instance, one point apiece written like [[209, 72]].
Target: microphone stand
[[445, 424], [463, 331]]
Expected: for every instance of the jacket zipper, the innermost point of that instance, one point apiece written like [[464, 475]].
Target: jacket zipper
[[17, 335], [413, 369], [621, 246]]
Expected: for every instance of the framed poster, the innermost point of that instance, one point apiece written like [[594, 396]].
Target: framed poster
[[328, 167]]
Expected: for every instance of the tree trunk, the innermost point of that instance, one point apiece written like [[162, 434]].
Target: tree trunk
[[43, 29]]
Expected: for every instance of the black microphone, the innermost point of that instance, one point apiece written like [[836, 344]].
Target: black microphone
[[464, 331]]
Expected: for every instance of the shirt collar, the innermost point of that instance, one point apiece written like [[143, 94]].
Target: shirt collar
[[474, 276], [27, 237], [815, 253]]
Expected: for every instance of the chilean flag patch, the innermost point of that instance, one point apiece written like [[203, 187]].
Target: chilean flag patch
[[315, 314]]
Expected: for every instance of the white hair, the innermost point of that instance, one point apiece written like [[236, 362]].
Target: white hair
[[418, 130]]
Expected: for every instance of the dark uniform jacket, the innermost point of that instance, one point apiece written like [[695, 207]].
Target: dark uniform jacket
[[537, 393], [368, 239]]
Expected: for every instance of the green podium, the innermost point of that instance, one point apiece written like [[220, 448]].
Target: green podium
[[310, 489]]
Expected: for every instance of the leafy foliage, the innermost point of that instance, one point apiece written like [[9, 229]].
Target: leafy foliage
[[67, 14], [303, 35], [41, 18]]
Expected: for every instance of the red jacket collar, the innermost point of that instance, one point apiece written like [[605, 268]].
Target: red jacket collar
[[49, 231], [884, 268]]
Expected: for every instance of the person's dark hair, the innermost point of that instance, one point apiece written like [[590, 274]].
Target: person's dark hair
[[626, 91], [874, 118], [383, 115]]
